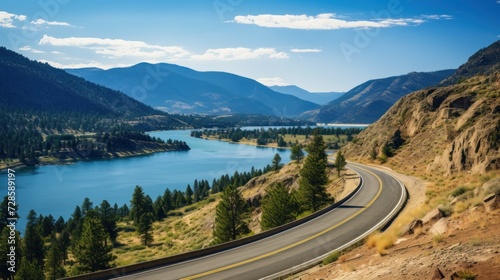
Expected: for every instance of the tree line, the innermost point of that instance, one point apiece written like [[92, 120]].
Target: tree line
[[274, 135]]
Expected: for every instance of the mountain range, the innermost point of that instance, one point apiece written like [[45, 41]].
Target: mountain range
[[320, 98], [177, 89], [367, 102]]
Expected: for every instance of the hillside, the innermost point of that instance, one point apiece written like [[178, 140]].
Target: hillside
[[320, 98], [367, 102], [38, 101], [441, 129], [177, 89]]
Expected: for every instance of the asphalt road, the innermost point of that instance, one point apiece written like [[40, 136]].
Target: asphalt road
[[378, 198]]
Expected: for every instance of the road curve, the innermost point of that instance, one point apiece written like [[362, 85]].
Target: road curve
[[380, 197]]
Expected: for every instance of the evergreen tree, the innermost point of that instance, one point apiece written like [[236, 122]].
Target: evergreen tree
[[189, 195], [33, 243], [91, 252], [53, 264], [339, 162], [86, 206], [137, 204], [229, 212], [278, 207], [65, 242], [158, 209], [312, 192], [297, 153], [145, 228], [277, 162], [167, 201], [29, 270], [108, 220]]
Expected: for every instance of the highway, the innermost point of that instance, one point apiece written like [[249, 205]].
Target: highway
[[376, 202]]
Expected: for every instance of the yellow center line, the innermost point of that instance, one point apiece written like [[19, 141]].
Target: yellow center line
[[293, 244]]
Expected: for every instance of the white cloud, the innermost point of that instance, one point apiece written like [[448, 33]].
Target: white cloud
[[272, 81], [227, 54], [118, 48], [7, 20], [305, 50], [327, 21], [29, 49], [82, 65], [40, 22]]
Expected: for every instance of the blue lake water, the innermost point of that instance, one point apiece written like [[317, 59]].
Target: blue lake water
[[58, 189]]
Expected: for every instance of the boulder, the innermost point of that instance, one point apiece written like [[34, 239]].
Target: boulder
[[491, 202], [440, 227], [410, 228], [437, 275], [432, 216]]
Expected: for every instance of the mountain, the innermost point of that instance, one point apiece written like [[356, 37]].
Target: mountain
[[178, 89], [315, 97], [32, 85], [485, 61], [367, 102], [443, 129]]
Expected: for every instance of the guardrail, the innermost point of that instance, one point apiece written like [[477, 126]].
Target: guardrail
[[147, 265], [382, 225]]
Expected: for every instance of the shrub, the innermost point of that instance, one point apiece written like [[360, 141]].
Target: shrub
[[459, 191], [446, 210], [467, 274], [333, 257]]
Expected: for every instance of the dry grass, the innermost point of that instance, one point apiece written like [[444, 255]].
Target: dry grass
[[382, 241]]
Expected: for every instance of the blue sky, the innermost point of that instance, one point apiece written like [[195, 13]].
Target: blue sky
[[317, 45]]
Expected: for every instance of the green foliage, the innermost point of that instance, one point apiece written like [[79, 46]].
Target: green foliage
[[312, 193], [5, 252], [229, 223], [277, 162], [446, 210], [333, 257], [145, 228], [91, 251], [138, 204], [459, 191], [278, 207], [29, 270], [340, 162], [54, 262], [296, 153]]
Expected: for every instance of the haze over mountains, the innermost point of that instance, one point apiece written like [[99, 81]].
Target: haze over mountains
[[320, 98], [177, 89], [367, 102]]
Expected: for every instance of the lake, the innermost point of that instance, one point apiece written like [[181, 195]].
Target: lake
[[58, 189]]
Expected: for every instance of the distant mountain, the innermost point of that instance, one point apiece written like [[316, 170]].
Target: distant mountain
[[31, 85], [177, 89], [484, 61], [315, 97], [367, 102], [442, 129]]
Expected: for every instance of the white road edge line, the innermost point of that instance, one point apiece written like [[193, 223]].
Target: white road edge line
[[314, 261]]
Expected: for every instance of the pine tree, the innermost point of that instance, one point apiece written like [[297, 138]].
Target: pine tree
[[29, 270], [339, 162], [312, 192], [91, 252], [189, 195], [229, 212], [167, 201], [108, 220], [278, 207], [5, 251], [33, 243], [137, 204], [53, 264], [297, 153], [276, 162], [145, 228]]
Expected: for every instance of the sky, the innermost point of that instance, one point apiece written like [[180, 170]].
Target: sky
[[320, 46]]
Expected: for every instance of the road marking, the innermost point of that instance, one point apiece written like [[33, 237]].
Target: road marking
[[210, 272]]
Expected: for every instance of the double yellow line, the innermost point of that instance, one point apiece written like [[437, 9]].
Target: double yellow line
[[217, 270]]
